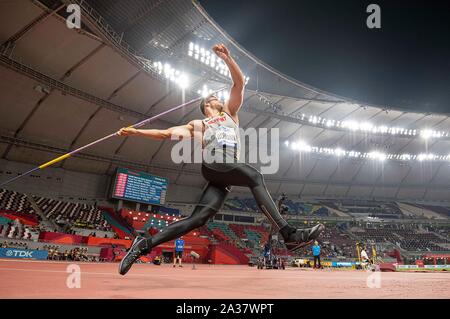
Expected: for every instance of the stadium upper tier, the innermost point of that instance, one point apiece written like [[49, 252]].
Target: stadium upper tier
[[65, 87]]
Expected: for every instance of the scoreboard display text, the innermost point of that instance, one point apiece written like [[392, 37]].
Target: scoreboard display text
[[139, 187]]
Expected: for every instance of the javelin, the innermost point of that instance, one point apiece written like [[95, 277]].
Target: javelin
[[139, 124]]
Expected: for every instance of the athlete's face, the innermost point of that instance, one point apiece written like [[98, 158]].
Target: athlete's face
[[213, 106]]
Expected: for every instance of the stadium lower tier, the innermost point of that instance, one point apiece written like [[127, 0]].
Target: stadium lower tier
[[221, 242]]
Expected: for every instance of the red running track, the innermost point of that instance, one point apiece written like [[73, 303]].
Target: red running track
[[47, 279]]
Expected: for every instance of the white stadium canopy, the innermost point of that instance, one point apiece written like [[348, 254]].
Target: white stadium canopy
[[62, 88]]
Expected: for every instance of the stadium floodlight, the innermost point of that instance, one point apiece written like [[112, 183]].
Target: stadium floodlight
[[378, 155], [205, 91], [405, 157], [426, 157], [354, 126], [354, 154], [172, 74], [366, 126], [375, 155], [351, 125], [294, 146], [313, 119], [426, 134], [383, 129], [303, 147], [183, 81], [339, 152], [223, 95], [208, 58], [421, 157]]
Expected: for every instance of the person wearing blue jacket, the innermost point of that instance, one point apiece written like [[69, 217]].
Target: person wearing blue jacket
[[316, 255], [179, 248]]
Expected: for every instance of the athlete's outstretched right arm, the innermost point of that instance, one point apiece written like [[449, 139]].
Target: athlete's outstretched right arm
[[176, 132]]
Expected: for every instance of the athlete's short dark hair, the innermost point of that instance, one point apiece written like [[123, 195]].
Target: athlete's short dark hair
[[203, 102]]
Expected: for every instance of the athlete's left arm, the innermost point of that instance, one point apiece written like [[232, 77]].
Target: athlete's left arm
[[234, 103]]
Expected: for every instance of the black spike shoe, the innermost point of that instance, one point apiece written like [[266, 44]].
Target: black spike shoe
[[301, 237], [138, 248]]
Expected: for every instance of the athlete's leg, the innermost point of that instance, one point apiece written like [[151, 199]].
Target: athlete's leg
[[210, 203], [240, 174]]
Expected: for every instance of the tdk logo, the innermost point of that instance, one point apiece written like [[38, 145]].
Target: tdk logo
[[19, 253]]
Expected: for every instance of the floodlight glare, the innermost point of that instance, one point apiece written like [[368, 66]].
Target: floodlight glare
[[183, 81]]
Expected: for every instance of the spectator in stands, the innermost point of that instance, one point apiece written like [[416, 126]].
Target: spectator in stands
[[179, 248], [316, 255], [56, 254]]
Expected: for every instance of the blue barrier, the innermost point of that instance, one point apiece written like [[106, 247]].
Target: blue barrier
[[23, 253], [344, 264]]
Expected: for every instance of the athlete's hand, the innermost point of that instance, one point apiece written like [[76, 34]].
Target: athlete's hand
[[127, 131], [221, 51]]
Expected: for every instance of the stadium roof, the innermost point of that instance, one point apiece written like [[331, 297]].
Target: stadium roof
[[63, 88]]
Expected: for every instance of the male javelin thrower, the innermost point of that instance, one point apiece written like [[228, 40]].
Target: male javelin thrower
[[220, 140]]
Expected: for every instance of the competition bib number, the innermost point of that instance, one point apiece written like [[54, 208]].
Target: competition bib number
[[226, 136]]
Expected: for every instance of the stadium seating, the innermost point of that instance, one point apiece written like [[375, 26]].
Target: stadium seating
[[17, 230], [360, 208], [377, 235], [294, 208], [409, 238], [445, 211], [229, 234], [16, 212], [235, 204], [204, 231], [337, 243], [15, 202], [76, 214]]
